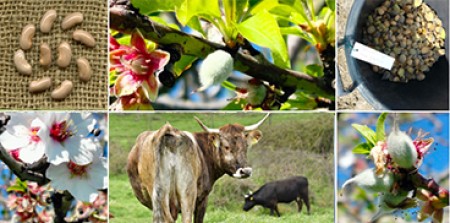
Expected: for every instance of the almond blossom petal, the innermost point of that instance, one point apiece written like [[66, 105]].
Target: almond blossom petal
[[126, 85], [137, 40], [32, 153], [158, 59], [150, 88]]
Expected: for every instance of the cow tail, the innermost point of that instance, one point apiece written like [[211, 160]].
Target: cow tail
[[161, 188]]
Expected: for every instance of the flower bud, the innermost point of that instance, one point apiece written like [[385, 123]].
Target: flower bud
[[401, 149]]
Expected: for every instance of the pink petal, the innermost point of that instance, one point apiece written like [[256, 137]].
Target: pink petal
[[113, 44], [159, 59], [126, 84], [137, 40], [150, 88]]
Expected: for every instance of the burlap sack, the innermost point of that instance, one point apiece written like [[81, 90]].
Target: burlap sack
[[14, 15]]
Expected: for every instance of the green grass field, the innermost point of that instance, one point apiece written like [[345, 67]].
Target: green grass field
[[292, 144]]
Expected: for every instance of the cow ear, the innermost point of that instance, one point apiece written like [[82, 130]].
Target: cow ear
[[215, 139], [253, 137]]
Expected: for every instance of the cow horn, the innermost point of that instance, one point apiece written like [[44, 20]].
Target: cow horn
[[255, 126], [204, 127]]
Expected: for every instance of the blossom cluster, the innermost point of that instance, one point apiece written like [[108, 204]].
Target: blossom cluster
[[26, 199], [72, 144]]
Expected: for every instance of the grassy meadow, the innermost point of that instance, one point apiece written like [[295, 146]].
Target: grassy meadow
[[292, 144]]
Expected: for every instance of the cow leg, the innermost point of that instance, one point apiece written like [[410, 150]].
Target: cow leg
[[306, 200], [161, 208], [276, 210], [271, 211], [187, 198], [299, 204], [273, 207], [200, 210]]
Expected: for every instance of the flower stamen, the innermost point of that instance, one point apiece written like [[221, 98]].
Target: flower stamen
[[78, 170]]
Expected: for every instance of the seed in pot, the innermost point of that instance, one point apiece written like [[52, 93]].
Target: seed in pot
[[404, 31], [375, 68], [402, 58], [401, 72], [71, 20], [429, 16], [47, 21], [26, 38], [420, 76], [21, 63], [40, 85], [410, 69], [62, 91], [417, 3]]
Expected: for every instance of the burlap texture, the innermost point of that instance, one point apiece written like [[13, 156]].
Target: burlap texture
[[14, 15]]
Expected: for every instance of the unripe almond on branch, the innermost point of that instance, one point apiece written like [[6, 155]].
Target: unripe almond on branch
[[215, 69], [401, 149], [369, 180]]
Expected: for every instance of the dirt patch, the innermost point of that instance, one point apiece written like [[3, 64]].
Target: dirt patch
[[352, 100]]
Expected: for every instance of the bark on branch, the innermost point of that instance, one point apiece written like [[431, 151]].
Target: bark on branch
[[126, 20]]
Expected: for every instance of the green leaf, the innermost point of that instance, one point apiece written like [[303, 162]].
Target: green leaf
[[301, 102], [16, 188], [264, 5], [314, 70], [164, 22], [201, 8], [228, 85], [312, 11], [362, 148], [380, 127], [331, 4], [367, 133], [124, 40], [194, 24], [183, 64], [262, 29], [235, 105], [113, 77], [149, 6], [295, 30], [234, 10]]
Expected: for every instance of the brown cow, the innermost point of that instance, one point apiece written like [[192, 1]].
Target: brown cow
[[172, 170]]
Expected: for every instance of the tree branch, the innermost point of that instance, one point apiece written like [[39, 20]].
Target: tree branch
[[125, 20]]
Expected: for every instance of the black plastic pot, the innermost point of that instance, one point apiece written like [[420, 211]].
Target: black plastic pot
[[429, 94]]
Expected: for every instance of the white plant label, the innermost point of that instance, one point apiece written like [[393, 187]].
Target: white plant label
[[372, 56]]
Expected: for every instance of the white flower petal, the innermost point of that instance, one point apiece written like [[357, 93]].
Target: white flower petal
[[98, 174], [56, 153], [58, 174], [82, 191], [32, 152], [12, 142], [83, 122], [83, 150]]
